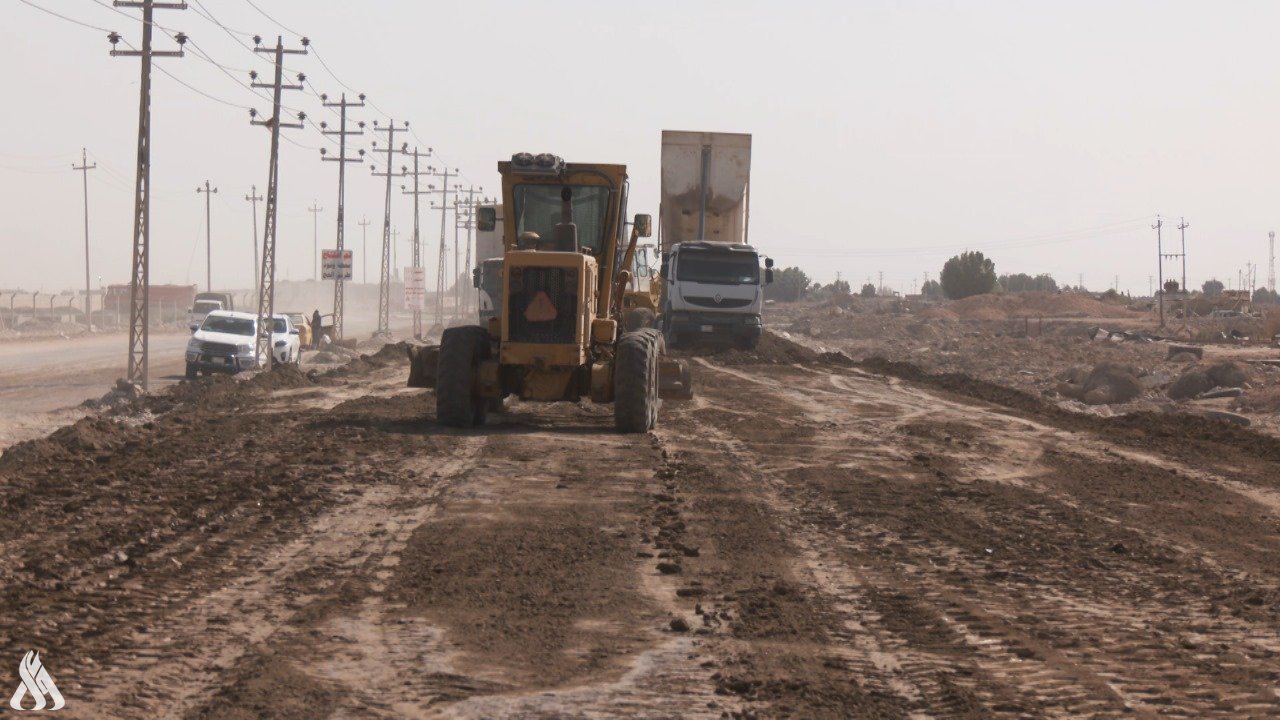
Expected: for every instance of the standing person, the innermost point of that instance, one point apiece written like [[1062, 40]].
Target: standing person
[[315, 330]]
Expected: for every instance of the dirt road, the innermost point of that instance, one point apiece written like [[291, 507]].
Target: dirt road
[[806, 539]]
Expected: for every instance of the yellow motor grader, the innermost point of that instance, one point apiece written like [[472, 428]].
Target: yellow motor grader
[[558, 335]]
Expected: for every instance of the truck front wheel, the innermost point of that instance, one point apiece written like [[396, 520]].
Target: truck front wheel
[[635, 382], [458, 402], [192, 371]]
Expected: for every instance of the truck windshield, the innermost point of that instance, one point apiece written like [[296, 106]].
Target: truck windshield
[[204, 307], [537, 209], [229, 325], [718, 268]]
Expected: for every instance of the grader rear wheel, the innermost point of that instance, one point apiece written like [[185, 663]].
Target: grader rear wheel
[[635, 381], [458, 402], [637, 319]]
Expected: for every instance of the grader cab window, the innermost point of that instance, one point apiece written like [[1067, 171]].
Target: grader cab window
[[537, 209]]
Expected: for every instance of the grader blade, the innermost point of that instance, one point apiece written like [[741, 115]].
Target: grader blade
[[675, 379]]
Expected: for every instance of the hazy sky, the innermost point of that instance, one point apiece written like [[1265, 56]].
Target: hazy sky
[[887, 135]]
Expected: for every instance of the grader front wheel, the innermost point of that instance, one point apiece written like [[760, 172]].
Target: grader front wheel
[[635, 382], [458, 402]]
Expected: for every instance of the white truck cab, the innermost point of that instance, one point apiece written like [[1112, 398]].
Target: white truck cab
[[714, 293], [224, 343]]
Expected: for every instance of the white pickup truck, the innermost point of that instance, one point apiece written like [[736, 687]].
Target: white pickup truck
[[224, 342]]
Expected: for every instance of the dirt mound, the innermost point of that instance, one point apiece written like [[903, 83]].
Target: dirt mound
[[82, 441], [1179, 434], [1227, 375], [1260, 401], [937, 313], [1031, 304], [387, 355], [122, 395], [1105, 384], [772, 350], [1198, 380], [282, 377]]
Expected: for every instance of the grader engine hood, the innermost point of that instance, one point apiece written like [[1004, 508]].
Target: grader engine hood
[[549, 303]]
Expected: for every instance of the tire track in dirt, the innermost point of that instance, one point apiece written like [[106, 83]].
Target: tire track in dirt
[[1100, 654]]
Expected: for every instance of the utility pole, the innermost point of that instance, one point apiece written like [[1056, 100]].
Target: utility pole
[[254, 198], [140, 283], [343, 133], [469, 225], [267, 291], [364, 247], [395, 247], [84, 167], [1271, 264], [416, 192], [384, 291], [315, 239], [880, 287], [1160, 264], [441, 269], [1151, 285], [1182, 229], [208, 235]]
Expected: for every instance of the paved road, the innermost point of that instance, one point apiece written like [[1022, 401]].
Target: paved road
[[42, 382]]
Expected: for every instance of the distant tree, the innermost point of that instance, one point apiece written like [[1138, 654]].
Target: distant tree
[[969, 273], [1110, 294], [868, 290], [931, 289], [1171, 286], [1263, 295], [840, 287], [1022, 282], [789, 285], [1212, 288]]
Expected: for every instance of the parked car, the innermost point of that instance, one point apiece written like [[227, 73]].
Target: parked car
[[303, 327], [224, 342]]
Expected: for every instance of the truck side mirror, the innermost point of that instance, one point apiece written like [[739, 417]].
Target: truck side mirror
[[768, 276], [475, 278], [768, 262], [194, 327], [486, 218], [644, 225]]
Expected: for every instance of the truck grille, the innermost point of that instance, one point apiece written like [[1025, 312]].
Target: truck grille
[[712, 302], [559, 286], [214, 348]]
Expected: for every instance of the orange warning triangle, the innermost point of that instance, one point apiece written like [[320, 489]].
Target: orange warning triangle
[[541, 309]]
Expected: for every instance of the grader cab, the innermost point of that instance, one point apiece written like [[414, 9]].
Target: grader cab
[[558, 334]]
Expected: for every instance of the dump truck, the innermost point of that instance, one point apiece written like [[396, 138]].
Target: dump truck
[[486, 276], [557, 336], [712, 281], [487, 279]]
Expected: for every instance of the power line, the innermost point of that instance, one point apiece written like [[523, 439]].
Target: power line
[[203, 12], [64, 17], [277, 22]]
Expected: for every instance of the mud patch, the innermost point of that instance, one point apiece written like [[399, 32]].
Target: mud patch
[[522, 596]]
